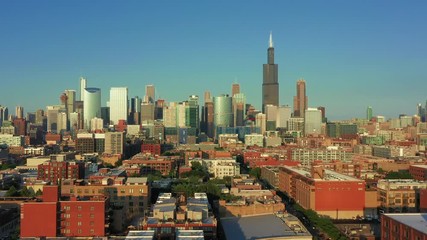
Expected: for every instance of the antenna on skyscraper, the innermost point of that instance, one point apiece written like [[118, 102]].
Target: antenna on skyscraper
[[271, 39]]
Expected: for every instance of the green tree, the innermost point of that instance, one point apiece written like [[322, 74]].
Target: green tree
[[255, 172], [12, 192]]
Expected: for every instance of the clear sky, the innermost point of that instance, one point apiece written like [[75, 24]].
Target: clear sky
[[351, 53]]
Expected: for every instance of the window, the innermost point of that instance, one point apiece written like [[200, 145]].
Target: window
[[92, 223], [79, 208], [79, 223], [79, 215], [92, 215], [79, 231], [92, 208]]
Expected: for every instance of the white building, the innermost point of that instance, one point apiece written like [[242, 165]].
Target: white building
[[118, 104], [254, 139], [283, 115], [91, 105], [220, 167], [12, 141], [312, 121]]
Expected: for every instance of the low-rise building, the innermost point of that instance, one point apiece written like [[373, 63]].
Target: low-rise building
[[404, 226]]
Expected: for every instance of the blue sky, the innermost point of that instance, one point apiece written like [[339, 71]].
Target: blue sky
[[351, 53]]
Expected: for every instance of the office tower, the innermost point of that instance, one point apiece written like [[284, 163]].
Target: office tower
[[80, 110], [369, 113], [239, 103], [39, 117], [62, 122], [20, 125], [147, 112], [209, 118], [52, 118], [74, 122], [261, 122], [270, 85], [203, 122], [223, 114], [180, 114], [300, 100], [91, 105], [3, 114], [312, 121], [118, 104], [283, 115], [169, 115], [235, 89], [31, 117], [83, 85], [97, 124], [271, 117], [134, 110], [70, 101], [105, 115], [192, 114], [323, 110], [158, 113], [149, 93], [19, 112]]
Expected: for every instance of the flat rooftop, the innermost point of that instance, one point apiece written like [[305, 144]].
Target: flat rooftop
[[261, 226], [417, 221]]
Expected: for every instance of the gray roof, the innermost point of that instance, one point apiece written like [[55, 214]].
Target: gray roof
[[132, 180], [254, 227], [417, 221]]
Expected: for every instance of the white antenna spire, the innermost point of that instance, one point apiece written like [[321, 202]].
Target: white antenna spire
[[271, 40]]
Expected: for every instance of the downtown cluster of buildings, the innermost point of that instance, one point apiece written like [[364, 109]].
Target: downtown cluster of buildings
[[336, 168]]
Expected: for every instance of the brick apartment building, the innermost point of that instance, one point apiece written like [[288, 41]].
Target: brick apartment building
[[57, 216], [410, 226], [418, 172], [54, 171]]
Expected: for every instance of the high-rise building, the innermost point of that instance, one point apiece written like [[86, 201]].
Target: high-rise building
[[39, 117], [169, 115], [149, 93], [209, 117], [261, 122], [92, 105], [147, 112], [70, 101], [223, 114], [192, 115], [235, 89], [312, 121], [52, 118], [158, 112], [283, 115], [323, 110], [83, 84], [3, 114], [62, 122], [135, 110], [118, 104], [19, 112], [300, 100], [114, 142], [271, 117], [270, 85], [369, 113], [239, 103]]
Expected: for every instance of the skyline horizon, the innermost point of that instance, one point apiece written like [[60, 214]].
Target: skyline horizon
[[351, 55]]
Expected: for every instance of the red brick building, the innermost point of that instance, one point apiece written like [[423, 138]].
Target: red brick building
[[53, 171], [411, 226], [154, 149], [55, 217], [324, 191], [418, 172]]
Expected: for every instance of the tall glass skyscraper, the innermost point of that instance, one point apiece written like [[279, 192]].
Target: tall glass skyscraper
[[118, 104], [91, 105], [270, 84], [223, 113], [83, 84]]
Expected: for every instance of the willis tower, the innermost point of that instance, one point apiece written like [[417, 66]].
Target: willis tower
[[270, 84]]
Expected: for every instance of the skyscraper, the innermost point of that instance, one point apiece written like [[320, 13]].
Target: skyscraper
[[118, 104], [149, 93], [83, 84], [19, 111], [223, 114], [312, 121], [369, 113], [135, 110], [235, 89], [192, 115], [91, 105], [270, 85], [70, 101], [300, 100]]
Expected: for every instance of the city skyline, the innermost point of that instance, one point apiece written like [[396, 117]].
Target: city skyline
[[351, 54]]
